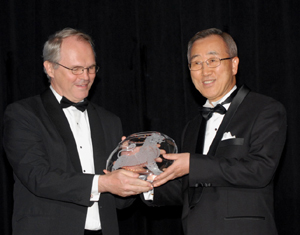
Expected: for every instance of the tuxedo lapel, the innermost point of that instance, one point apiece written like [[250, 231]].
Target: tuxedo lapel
[[62, 125], [190, 135], [193, 142], [237, 100], [98, 139], [201, 137]]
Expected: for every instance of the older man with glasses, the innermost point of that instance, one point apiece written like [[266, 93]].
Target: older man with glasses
[[231, 150], [57, 144]]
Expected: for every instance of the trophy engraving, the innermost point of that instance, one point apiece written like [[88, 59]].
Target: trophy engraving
[[142, 153]]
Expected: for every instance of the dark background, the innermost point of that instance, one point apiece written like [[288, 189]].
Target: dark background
[[144, 78]]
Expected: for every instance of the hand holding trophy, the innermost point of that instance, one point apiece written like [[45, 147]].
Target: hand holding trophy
[[142, 153]]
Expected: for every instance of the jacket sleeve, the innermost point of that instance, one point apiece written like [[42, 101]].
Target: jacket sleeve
[[31, 158]]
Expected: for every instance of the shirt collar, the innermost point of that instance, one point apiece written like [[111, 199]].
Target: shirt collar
[[57, 96], [209, 105]]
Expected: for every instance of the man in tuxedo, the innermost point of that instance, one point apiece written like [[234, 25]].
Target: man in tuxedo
[[57, 144], [230, 151]]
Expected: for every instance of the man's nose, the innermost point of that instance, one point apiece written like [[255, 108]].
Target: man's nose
[[205, 69], [86, 74]]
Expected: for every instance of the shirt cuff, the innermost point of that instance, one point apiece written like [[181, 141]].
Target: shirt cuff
[[149, 195], [95, 195]]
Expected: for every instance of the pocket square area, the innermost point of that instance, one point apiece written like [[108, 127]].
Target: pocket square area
[[227, 135]]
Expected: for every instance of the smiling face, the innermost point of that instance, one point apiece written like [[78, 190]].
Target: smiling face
[[74, 52], [213, 83]]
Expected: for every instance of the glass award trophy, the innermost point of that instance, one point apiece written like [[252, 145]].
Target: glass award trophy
[[142, 153]]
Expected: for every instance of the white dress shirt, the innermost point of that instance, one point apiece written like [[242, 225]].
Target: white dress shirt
[[80, 126], [215, 121]]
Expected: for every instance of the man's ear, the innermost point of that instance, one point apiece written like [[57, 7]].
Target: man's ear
[[49, 68], [235, 65]]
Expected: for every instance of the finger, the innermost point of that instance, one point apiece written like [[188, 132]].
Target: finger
[[162, 176], [142, 183], [167, 171], [165, 176], [161, 181], [146, 183], [123, 138], [127, 193], [134, 181], [138, 186], [131, 193], [170, 156], [140, 189]]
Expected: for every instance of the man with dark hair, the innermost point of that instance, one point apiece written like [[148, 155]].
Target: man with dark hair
[[57, 144], [230, 151]]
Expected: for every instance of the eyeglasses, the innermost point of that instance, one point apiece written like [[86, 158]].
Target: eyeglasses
[[79, 69], [211, 63]]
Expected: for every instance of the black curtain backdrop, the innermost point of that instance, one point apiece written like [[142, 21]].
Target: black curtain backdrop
[[144, 78]]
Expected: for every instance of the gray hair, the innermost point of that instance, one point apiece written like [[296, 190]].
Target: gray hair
[[230, 43], [51, 51]]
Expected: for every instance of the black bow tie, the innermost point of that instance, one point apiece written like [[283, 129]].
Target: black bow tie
[[219, 108], [208, 112], [65, 103]]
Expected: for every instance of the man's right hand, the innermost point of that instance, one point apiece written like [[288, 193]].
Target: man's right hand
[[123, 183]]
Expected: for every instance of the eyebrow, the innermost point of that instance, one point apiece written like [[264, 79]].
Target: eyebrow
[[83, 66], [212, 53], [209, 53]]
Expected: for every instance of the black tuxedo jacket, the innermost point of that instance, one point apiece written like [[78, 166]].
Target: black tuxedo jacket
[[229, 191], [51, 194]]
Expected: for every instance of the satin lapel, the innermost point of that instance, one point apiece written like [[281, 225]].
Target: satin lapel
[[189, 140], [201, 137], [98, 139], [237, 100], [62, 125], [193, 142]]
